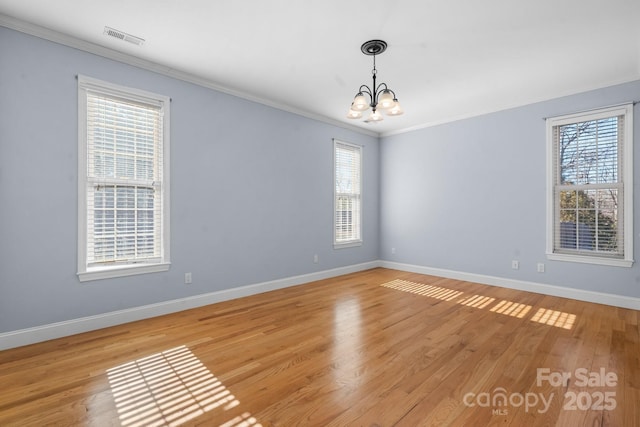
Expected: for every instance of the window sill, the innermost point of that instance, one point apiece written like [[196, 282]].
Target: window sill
[[98, 273], [585, 259], [350, 244]]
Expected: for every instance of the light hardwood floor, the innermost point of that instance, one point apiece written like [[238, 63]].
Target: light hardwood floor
[[375, 348]]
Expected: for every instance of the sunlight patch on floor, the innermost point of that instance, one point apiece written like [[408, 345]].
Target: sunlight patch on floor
[[510, 308], [505, 307], [169, 389], [477, 301], [556, 318], [423, 289]]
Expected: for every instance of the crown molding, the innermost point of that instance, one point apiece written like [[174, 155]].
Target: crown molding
[[105, 52]]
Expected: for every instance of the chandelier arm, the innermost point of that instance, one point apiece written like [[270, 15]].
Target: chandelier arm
[[387, 89], [381, 86], [377, 91], [365, 89]]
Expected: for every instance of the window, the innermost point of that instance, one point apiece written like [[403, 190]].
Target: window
[[590, 176], [348, 199], [123, 181]]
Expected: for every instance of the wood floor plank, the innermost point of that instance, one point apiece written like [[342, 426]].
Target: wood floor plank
[[376, 348]]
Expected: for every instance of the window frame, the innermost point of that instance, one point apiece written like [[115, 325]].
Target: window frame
[[625, 183], [85, 272], [358, 240]]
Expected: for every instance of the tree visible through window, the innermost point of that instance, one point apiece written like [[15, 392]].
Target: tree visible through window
[[590, 189]]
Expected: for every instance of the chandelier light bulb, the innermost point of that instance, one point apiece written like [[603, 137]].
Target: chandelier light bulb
[[396, 109], [375, 116], [352, 114], [360, 103], [386, 100]]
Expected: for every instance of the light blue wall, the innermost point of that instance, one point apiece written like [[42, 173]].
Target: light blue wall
[[251, 192], [251, 189], [470, 196]]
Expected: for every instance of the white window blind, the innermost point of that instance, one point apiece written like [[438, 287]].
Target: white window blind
[[348, 200], [125, 184], [591, 181]]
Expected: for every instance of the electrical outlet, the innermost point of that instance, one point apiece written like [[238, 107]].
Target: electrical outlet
[[315, 259], [393, 251], [515, 264], [540, 267], [187, 278]]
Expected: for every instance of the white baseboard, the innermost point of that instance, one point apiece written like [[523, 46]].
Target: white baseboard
[[539, 288], [70, 327], [85, 324]]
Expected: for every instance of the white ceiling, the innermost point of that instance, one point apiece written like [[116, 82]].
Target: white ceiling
[[446, 59]]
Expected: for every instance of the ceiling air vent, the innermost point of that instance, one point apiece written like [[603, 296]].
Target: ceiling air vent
[[121, 35]]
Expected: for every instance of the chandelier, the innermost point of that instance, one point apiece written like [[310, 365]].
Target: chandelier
[[380, 98]]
